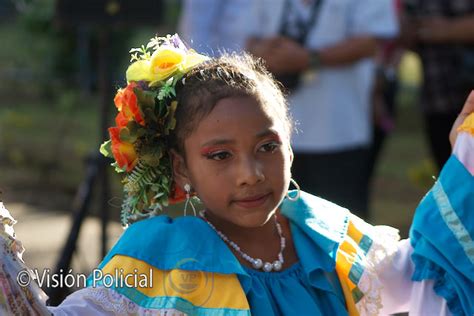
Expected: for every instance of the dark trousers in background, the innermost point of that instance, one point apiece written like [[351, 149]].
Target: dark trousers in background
[[438, 126], [340, 177]]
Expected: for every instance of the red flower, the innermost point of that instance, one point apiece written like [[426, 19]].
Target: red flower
[[124, 153], [177, 195], [126, 102]]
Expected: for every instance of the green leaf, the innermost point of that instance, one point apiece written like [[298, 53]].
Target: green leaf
[[177, 77], [151, 159], [140, 177], [151, 155], [150, 117], [165, 92], [106, 149], [133, 127], [155, 187], [118, 169], [171, 124], [141, 132], [145, 98], [126, 136]]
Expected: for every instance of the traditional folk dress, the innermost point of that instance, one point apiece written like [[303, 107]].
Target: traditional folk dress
[[345, 267]]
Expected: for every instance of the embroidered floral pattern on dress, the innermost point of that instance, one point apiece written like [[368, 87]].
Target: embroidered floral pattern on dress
[[379, 256], [118, 304], [18, 295]]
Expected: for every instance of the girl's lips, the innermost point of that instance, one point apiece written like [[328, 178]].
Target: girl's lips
[[252, 202]]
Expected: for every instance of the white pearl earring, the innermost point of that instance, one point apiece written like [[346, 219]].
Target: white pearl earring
[[187, 189]]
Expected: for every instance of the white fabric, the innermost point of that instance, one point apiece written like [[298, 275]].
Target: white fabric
[[379, 257], [400, 294], [464, 150], [210, 26], [332, 108], [18, 292]]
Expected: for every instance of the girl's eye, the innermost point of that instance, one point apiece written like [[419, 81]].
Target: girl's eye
[[218, 156], [269, 147]]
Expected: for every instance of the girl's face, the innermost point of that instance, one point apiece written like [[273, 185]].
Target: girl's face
[[238, 161]]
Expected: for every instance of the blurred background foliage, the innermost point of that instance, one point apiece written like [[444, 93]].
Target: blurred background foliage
[[49, 112], [49, 108]]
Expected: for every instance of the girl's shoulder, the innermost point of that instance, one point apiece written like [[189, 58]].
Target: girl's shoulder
[[323, 220], [337, 231], [352, 247], [164, 264], [166, 243], [163, 229]]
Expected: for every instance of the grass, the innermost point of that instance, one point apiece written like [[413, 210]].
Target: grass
[[36, 134], [404, 173]]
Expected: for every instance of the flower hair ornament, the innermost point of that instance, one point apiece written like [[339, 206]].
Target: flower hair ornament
[[146, 115]]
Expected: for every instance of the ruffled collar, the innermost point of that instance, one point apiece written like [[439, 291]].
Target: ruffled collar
[[188, 243], [318, 227]]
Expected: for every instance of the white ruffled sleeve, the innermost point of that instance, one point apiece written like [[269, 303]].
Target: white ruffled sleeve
[[400, 294], [440, 253]]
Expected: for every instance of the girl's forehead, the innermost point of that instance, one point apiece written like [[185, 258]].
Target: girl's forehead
[[236, 116], [243, 111]]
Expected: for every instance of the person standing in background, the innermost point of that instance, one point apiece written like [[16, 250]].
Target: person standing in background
[[213, 26], [323, 52], [442, 33], [384, 94]]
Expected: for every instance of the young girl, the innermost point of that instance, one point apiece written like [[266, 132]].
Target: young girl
[[220, 130]]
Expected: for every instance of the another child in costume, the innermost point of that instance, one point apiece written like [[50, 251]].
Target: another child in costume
[[219, 130]]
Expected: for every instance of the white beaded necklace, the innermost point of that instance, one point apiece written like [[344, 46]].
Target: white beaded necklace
[[256, 262]]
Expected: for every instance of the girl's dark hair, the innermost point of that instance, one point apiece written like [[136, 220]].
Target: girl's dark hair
[[231, 75]]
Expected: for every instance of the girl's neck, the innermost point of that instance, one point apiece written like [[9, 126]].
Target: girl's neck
[[261, 242], [245, 235]]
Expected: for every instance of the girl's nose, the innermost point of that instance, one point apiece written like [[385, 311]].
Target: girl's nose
[[250, 172]]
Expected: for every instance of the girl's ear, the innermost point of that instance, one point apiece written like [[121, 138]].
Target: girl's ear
[[180, 171]]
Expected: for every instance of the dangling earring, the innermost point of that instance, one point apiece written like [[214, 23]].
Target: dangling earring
[[187, 188], [295, 198]]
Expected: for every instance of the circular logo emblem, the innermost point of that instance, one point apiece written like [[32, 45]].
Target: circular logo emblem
[[195, 286]]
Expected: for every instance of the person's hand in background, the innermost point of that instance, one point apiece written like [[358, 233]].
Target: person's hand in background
[[282, 55]]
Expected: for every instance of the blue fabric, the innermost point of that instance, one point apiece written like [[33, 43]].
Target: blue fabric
[[309, 285], [442, 238], [323, 223], [290, 293]]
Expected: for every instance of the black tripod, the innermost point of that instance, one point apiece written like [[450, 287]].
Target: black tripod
[[96, 173], [103, 15]]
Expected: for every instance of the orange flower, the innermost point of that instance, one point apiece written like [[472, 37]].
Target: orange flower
[[124, 153], [126, 102]]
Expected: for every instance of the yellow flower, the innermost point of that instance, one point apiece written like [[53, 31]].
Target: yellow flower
[[192, 59], [164, 62], [139, 70]]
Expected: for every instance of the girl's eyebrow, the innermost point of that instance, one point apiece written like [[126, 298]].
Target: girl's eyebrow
[[215, 142], [268, 132], [223, 141]]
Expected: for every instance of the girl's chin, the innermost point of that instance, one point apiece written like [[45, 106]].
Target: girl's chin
[[244, 217], [255, 220]]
